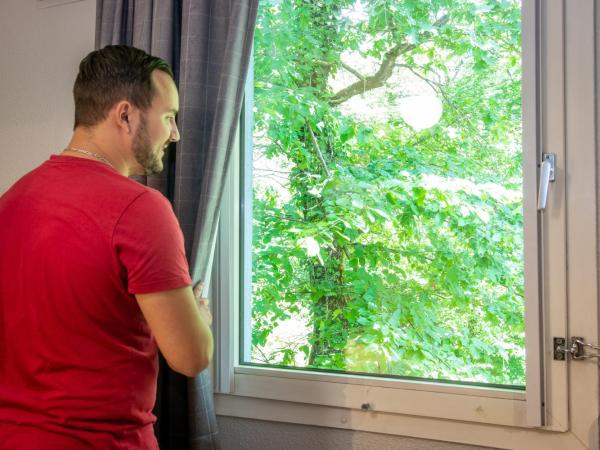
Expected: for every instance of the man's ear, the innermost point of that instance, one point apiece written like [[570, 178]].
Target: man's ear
[[121, 115]]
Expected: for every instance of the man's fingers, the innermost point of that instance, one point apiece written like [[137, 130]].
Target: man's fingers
[[198, 288], [198, 294]]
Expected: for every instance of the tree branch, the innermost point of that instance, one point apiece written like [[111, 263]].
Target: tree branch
[[349, 68], [433, 84], [353, 71], [373, 81], [318, 149], [382, 75], [259, 169]]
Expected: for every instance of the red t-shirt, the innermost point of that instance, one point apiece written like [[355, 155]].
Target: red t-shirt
[[78, 363]]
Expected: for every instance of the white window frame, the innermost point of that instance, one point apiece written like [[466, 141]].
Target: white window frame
[[559, 410]]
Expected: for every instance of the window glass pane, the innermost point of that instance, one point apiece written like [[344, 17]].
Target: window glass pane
[[386, 165]]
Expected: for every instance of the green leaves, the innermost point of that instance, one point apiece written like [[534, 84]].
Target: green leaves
[[388, 250]]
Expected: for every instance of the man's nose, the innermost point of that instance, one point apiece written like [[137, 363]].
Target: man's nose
[[175, 133]]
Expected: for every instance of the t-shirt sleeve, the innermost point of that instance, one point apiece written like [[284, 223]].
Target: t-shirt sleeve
[[149, 245]]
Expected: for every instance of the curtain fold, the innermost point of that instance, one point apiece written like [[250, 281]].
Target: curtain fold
[[208, 43], [212, 81]]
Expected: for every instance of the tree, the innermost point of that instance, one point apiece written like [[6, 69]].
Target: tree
[[401, 248]]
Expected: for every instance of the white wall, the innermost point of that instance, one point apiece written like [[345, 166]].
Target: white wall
[[40, 49], [245, 434]]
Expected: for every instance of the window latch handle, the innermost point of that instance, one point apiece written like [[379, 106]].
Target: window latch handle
[[546, 177]]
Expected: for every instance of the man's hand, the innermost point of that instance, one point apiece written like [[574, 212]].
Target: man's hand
[[203, 303]]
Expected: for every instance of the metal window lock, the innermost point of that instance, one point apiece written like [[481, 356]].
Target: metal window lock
[[576, 348]]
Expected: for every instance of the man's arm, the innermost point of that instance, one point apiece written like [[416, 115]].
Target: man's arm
[[180, 322]]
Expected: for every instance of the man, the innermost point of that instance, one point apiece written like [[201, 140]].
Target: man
[[93, 275]]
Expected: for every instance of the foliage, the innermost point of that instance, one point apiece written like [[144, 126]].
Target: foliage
[[399, 249]]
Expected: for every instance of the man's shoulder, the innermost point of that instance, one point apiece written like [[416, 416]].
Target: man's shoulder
[[81, 186], [151, 201]]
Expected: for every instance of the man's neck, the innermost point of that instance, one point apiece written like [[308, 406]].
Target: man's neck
[[85, 144]]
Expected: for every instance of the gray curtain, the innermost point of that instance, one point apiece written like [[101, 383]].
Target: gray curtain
[[208, 43]]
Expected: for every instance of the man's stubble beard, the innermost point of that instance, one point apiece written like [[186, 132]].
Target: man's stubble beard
[[143, 151]]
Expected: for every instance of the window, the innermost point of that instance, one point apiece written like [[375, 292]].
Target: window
[[383, 260], [387, 214]]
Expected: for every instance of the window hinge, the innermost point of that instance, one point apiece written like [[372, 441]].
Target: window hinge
[[576, 349]]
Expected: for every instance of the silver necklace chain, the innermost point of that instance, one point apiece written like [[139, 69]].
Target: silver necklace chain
[[92, 154]]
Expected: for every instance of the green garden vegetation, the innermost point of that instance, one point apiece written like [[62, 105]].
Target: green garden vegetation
[[380, 245]]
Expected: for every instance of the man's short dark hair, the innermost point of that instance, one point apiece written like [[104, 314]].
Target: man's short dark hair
[[112, 74]]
